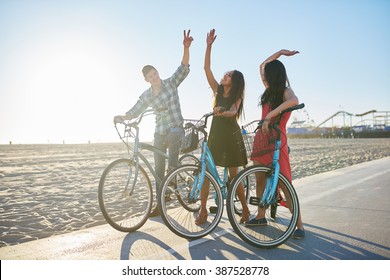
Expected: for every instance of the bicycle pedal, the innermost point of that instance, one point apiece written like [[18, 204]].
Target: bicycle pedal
[[273, 210], [254, 200], [213, 209]]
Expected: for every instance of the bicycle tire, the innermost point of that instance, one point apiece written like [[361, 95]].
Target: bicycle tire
[[237, 202], [184, 159], [180, 198], [188, 159], [123, 210], [180, 218], [278, 230]]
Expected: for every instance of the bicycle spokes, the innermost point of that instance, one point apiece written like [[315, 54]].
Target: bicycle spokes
[[181, 212], [279, 222]]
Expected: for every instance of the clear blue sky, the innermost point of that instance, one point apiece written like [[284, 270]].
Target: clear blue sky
[[67, 67]]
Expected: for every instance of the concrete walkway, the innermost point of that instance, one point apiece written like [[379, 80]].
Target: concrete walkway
[[346, 215]]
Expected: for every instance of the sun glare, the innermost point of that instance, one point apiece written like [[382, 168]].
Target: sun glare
[[68, 91]]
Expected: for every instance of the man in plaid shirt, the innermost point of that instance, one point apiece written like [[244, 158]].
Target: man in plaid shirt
[[163, 97]]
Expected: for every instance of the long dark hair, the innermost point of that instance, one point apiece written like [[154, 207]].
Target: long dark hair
[[236, 91], [276, 77]]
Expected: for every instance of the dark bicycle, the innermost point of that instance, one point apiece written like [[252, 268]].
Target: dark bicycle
[[125, 190]]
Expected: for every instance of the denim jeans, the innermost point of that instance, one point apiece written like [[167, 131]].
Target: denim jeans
[[172, 142]]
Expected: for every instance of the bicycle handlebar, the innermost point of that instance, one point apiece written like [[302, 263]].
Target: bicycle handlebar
[[134, 124], [206, 116], [293, 108], [139, 119], [275, 125]]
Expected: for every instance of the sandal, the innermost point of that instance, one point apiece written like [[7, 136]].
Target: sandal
[[202, 218], [244, 217]]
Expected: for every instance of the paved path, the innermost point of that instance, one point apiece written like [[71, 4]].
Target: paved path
[[346, 216]]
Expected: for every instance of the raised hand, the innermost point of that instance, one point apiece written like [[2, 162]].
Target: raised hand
[[288, 53], [187, 39], [119, 119], [211, 37]]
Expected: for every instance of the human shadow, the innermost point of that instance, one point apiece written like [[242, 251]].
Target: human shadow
[[318, 244], [139, 245], [324, 244], [224, 244]]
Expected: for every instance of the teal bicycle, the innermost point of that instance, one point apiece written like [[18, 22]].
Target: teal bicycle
[[125, 189], [278, 191], [183, 187]]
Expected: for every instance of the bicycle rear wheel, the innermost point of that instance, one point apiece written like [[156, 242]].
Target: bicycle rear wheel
[[125, 208], [278, 229], [188, 159], [184, 159], [178, 213]]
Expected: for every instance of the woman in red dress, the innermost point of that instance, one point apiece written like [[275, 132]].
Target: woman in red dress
[[277, 97]]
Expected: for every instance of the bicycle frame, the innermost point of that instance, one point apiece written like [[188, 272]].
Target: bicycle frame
[[207, 162], [269, 196], [136, 154]]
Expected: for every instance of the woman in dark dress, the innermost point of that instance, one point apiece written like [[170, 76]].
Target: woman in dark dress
[[224, 142]]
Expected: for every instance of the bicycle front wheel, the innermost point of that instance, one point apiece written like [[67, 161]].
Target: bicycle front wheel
[[278, 229], [125, 195], [179, 212], [237, 203]]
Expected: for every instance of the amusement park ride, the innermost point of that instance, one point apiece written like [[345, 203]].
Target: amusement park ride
[[371, 124]]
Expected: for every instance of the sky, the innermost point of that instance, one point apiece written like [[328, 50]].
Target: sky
[[68, 67]]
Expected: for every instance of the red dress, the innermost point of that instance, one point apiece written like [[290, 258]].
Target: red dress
[[263, 145]]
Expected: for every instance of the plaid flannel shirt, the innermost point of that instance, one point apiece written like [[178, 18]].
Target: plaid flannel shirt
[[166, 103]]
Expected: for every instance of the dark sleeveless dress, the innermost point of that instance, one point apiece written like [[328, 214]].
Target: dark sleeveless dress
[[225, 139]]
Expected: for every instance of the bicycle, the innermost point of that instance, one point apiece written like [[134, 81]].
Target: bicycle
[[183, 185], [280, 226], [125, 190]]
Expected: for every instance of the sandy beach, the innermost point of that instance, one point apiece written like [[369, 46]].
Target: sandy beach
[[52, 189]]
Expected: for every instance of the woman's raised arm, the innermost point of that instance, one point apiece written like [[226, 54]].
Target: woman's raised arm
[[207, 61]]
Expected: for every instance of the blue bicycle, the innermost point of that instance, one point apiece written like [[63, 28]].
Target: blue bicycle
[[180, 199], [273, 190]]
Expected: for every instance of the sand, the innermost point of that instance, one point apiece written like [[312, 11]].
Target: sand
[[52, 189]]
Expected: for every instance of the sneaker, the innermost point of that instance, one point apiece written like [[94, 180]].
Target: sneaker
[[298, 234], [256, 222]]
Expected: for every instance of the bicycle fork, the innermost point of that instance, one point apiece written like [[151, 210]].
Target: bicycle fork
[[135, 160], [129, 188]]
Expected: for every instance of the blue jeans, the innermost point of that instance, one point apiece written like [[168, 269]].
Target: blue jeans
[[172, 142]]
